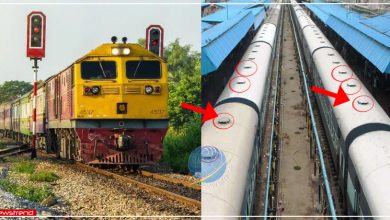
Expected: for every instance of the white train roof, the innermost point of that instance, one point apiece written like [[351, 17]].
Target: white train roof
[[249, 78], [273, 15], [225, 195], [370, 156], [234, 131], [369, 152], [303, 19], [266, 34]]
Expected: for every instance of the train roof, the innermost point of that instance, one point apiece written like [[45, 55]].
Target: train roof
[[105, 50], [23, 97], [136, 50]]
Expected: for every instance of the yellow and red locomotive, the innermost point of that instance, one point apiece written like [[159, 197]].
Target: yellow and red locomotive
[[108, 107]]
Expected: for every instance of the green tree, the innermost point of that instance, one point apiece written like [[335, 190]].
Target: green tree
[[184, 82], [141, 42], [184, 86], [181, 61], [178, 145], [186, 90], [11, 90]]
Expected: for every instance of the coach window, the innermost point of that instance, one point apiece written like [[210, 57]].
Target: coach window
[[143, 69], [98, 70]]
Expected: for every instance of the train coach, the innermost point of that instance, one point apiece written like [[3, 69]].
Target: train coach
[[108, 107], [2, 117], [358, 131], [231, 141]]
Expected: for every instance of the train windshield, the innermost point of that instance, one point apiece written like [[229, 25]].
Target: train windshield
[[143, 69], [98, 70]]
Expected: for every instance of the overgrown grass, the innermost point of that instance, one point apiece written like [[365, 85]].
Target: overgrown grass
[[43, 176], [178, 145], [27, 192], [23, 167]]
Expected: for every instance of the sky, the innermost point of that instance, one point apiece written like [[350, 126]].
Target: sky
[[73, 30]]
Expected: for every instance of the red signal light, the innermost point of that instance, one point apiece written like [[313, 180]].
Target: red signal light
[[36, 34], [155, 39]]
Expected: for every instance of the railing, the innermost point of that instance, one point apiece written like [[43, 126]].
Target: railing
[[272, 134]]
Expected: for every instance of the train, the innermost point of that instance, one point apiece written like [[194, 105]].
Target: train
[[231, 141], [358, 131], [108, 107]]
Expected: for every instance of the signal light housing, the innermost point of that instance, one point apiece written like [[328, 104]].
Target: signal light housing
[[155, 39], [36, 34]]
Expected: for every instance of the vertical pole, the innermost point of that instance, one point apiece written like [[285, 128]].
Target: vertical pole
[[227, 11], [34, 111]]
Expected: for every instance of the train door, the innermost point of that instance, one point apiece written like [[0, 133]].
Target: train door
[[57, 113], [57, 97]]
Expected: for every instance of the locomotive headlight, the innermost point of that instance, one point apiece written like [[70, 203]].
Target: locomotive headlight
[[95, 90], [115, 51], [148, 90], [126, 51]]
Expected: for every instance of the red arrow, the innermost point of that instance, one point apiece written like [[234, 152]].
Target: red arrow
[[340, 96], [208, 113]]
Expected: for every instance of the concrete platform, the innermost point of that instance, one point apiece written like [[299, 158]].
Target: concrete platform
[[296, 194]]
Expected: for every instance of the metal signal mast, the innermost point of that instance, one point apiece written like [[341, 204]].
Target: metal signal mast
[[36, 41]]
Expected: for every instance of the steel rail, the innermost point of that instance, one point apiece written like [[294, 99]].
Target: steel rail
[[171, 180], [273, 117], [314, 126], [14, 150], [149, 188]]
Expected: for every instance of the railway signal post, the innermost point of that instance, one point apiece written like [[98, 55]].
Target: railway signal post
[[36, 33], [155, 39]]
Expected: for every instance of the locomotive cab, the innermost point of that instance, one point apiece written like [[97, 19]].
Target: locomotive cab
[[110, 107], [131, 84]]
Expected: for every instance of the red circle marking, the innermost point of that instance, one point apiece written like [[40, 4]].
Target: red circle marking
[[360, 86], [353, 103], [338, 67], [238, 72], [223, 113], [231, 88]]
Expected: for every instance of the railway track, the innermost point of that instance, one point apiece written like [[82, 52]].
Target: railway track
[[14, 150], [171, 180], [145, 185], [327, 155], [327, 197], [268, 176], [330, 165], [178, 190]]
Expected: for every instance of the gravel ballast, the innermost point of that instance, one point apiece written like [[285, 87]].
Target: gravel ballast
[[80, 193]]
